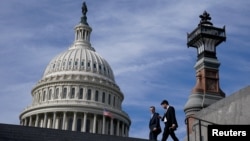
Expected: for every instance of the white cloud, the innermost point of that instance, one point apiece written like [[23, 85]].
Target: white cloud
[[144, 42]]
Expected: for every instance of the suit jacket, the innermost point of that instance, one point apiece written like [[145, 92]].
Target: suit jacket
[[154, 122], [170, 115]]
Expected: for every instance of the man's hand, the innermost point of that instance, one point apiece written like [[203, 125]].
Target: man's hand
[[173, 127]]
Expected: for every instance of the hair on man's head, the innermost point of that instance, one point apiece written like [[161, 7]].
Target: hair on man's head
[[153, 107], [164, 102]]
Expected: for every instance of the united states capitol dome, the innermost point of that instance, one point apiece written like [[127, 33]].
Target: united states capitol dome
[[78, 91], [79, 59]]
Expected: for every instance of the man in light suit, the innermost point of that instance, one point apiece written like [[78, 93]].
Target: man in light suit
[[154, 124], [169, 120]]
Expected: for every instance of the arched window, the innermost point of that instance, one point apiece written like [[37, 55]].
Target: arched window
[[81, 94], [89, 94], [72, 93], [50, 94], [109, 99], [44, 95], [103, 97], [96, 95], [64, 93]]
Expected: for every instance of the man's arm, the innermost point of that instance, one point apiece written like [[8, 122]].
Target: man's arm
[[156, 121], [173, 118]]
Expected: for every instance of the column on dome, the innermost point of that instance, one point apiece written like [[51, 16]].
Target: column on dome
[[45, 120], [57, 121], [94, 124], [25, 122], [74, 122], [30, 121], [126, 130], [118, 128], [60, 121], [49, 124], [82, 31], [84, 122], [40, 121], [64, 120], [49, 121], [111, 126], [54, 120], [103, 124], [37, 120], [123, 126], [82, 126], [99, 125], [78, 34], [84, 35], [79, 122]]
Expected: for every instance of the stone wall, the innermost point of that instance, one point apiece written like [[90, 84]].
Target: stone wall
[[24, 133], [232, 110]]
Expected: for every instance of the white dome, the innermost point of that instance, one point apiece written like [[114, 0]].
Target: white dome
[[80, 61]]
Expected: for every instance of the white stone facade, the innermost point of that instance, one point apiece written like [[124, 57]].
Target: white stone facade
[[76, 87]]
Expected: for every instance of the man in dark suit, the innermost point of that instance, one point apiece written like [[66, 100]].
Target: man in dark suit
[[170, 121], [154, 124]]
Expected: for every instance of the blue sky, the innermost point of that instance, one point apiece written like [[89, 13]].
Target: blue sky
[[144, 41]]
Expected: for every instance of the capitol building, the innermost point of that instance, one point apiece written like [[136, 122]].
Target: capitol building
[[78, 92]]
